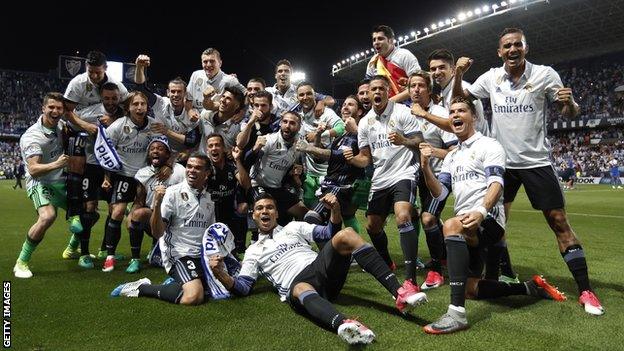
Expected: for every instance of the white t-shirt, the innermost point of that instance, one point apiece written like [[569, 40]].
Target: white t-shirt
[[280, 257], [131, 143], [165, 113], [519, 112], [228, 130], [83, 92], [402, 58], [447, 95], [470, 169], [283, 102], [41, 141], [276, 159], [435, 136], [147, 177], [309, 123], [187, 214], [392, 162], [199, 81]]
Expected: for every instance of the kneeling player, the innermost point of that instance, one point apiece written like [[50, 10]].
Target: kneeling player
[[474, 171], [309, 280]]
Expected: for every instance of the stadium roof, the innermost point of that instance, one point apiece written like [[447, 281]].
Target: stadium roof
[[556, 30]]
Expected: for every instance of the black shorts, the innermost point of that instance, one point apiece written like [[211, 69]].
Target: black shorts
[[541, 185], [490, 232], [344, 196], [427, 202], [76, 143], [283, 198], [124, 189], [381, 202], [327, 274], [186, 269], [92, 183], [567, 174]]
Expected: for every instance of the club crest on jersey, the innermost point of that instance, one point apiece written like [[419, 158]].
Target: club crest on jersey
[[73, 66], [529, 87], [199, 82], [184, 196], [89, 87], [126, 129], [472, 155], [371, 121]]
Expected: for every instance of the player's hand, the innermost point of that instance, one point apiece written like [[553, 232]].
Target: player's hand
[[347, 152], [350, 125], [164, 173], [296, 170], [255, 116], [564, 95], [238, 116], [143, 61], [417, 110], [215, 262], [193, 115], [159, 193], [319, 108], [260, 142], [106, 120], [426, 150], [236, 153], [61, 161], [91, 129], [209, 92], [471, 220], [331, 201], [106, 184], [302, 146], [462, 65], [310, 137], [396, 138], [158, 128]]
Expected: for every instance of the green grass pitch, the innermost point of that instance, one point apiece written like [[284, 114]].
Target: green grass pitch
[[65, 308]]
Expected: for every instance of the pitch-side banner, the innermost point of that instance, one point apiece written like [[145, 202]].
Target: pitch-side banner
[[70, 66], [595, 180]]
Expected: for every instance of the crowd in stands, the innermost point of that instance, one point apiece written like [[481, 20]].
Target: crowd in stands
[[9, 155]]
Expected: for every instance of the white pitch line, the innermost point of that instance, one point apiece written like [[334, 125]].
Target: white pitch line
[[572, 213]]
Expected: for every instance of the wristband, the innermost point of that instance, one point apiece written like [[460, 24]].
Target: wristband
[[482, 210]]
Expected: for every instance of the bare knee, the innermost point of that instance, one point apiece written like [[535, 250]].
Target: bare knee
[[428, 220], [141, 214], [192, 293], [47, 216], [452, 226], [374, 225], [118, 211], [558, 221], [301, 288], [346, 241]]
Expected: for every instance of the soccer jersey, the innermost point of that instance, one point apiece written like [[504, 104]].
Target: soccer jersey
[[519, 112], [614, 168], [187, 213], [165, 113], [147, 177], [272, 127], [131, 143], [339, 172], [228, 129], [47, 143], [392, 162], [275, 160], [447, 95], [83, 92], [199, 82], [435, 136], [222, 185], [280, 256], [283, 102], [310, 123], [401, 58], [469, 169], [92, 114]]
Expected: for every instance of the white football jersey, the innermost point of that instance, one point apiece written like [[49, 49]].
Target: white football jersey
[[470, 169], [276, 159], [392, 162], [47, 143], [147, 177], [228, 130], [131, 143], [519, 112], [199, 82], [281, 256], [309, 123], [164, 113], [402, 58], [83, 92], [187, 213], [447, 95], [283, 102], [435, 136]]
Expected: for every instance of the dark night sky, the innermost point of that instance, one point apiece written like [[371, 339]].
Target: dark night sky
[[251, 37]]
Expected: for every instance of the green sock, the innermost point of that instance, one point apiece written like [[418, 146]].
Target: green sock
[[353, 223], [28, 248], [74, 242]]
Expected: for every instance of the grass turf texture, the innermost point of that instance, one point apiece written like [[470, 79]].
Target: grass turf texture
[[65, 308]]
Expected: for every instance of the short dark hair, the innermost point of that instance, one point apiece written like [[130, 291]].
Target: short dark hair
[[387, 31], [461, 99], [109, 86], [178, 81], [238, 96], [442, 54], [283, 62], [383, 78], [303, 84], [258, 80], [359, 103], [292, 113], [53, 96], [265, 196], [96, 58], [510, 30], [208, 164], [212, 51], [363, 81], [424, 75], [264, 94]]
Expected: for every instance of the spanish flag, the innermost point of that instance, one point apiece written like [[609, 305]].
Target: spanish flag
[[394, 73]]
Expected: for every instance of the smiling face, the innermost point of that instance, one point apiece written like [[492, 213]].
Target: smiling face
[[176, 93], [383, 45], [282, 76], [512, 49], [441, 71], [350, 109], [53, 110], [110, 100], [228, 105], [462, 120], [138, 108], [196, 172], [265, 215], [363, 96], [305, 95], [96, 73], [211, 64]]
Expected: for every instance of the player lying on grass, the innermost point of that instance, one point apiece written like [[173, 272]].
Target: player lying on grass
[[474, 172], [309, 280]]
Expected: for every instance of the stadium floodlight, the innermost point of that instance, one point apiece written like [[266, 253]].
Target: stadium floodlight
[[362, 54], [367, 52], [448, 21], [494, 7], [417, 32], [413, 34], [468, 14], [394, 41], [338, 64], [477, 11], [298, 76], [426, 30], [453, 20], [485, 9], [343, 62], [357, 56], [503, 3], [461, 16], [114, 70], [434, 26], [334, 66], [440, 24]]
